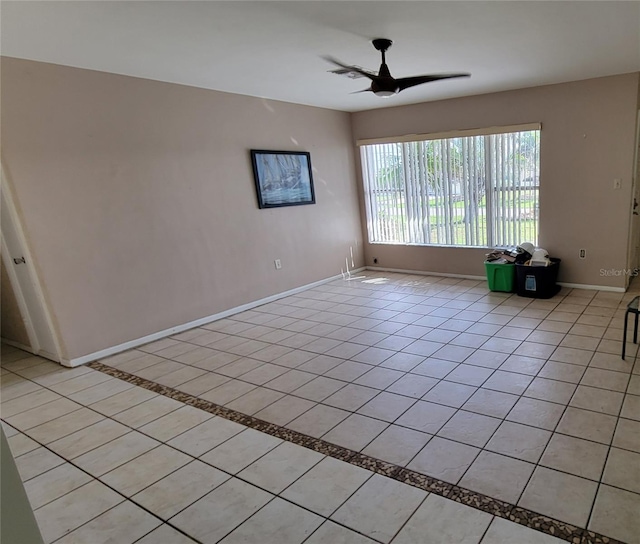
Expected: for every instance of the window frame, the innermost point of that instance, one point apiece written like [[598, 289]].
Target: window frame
[[490, 204]]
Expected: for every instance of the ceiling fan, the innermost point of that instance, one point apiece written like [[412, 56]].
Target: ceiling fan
[[383, 83]]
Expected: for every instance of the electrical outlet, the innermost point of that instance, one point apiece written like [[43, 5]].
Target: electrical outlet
[[583, 254], [278, 264]]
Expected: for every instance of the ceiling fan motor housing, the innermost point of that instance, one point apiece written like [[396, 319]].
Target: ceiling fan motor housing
[[382, 44]]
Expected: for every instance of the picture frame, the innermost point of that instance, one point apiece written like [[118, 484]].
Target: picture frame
[[282, 178]]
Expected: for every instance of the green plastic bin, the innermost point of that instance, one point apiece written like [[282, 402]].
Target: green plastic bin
[[501, 276]]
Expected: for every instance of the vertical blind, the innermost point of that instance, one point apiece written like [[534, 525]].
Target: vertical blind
[[477, 190]]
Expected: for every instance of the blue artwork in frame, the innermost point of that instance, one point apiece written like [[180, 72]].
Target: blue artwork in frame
[[283, 178]]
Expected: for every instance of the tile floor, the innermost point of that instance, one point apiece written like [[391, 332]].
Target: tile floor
[[527, 401]]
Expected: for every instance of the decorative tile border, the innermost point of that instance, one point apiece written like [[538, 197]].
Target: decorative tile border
[[479, 501]]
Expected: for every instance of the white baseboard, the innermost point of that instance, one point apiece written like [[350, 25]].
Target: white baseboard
[[470, 277], [423, 273], [197, 323], [18, 345], [592, 287]]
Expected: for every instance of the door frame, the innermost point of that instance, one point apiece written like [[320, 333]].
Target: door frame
[[633, 247], [36, 303]]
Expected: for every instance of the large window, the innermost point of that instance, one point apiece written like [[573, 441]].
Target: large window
[[479, 189]]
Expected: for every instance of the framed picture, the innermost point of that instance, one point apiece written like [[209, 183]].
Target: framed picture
[[283, 178]]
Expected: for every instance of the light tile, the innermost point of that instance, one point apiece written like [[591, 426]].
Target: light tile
[[572, 355], [627, 435], [103, 390], [74, 509], [550, 390], [178, 490], [206, 436], [508, 382], [469, 340], [605, 379], [537, 413], [20, 443], [165, 534], [380, 507], [326, 486], [412, 385], [581, 342], [379, 378], [348, 371], [336, 534], [124, 524], [469, 375], [355, 432], [240, 451], [147, 411], [264, 373], [36, 462], [562, 371], [609, 361], [615, 513], [520, 441], [167, 427], [522, 364], [559, 495], [498, 476], [154, 372], [319, 420], [280, 467], [623, 470], [144, 470], [122, 401], [178, 377], [221, 511], [434, 368], [426, 417], [444, 459], [42, 414], [587, 425], [487, 359], [105, 458], [453, 353], [79, 383], [54, 483], [285, 410], [255, 400], [502, 531], [440, 520], [631, 407], [534, 349], [278, 521], [576, 456], [91, 437], [386, 406], [450, 393], [470, 428], [397, 445], [14, 386], [491, 403], [598, 400]]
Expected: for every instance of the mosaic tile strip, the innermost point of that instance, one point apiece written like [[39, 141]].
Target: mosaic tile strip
[[479, 501]]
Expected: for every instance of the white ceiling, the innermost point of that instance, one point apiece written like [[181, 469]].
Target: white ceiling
[[274, 49]]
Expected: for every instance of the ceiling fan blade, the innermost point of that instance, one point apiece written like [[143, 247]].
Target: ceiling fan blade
[[363, 91], [406, 82], [351, 68]]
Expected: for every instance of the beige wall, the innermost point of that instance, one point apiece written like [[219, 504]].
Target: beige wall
[[138, 199], [587, 140], [11, 324]]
